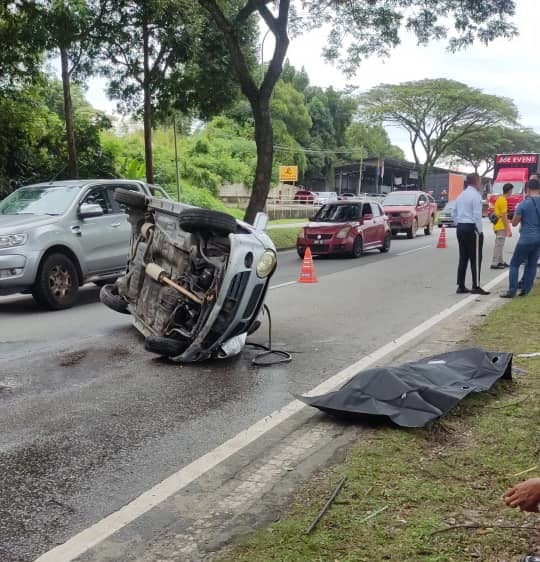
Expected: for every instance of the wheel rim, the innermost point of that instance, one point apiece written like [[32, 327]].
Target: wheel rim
[[60, 281]]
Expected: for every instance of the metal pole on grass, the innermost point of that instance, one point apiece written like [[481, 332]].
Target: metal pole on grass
[[176, 159]]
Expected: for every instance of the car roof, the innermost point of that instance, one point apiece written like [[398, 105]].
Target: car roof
[[352, 202], [82, 183]]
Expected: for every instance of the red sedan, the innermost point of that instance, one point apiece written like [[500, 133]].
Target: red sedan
[[346, 227]]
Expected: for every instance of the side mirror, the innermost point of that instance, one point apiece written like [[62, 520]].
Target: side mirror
[[89, 210], [261, 222], [367, 217]]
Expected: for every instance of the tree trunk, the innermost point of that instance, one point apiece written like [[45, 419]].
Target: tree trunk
[[147, 108], [73, 171], [265, 155]]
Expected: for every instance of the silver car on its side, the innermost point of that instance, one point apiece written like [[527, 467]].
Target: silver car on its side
[[56, 236], [196, 279]]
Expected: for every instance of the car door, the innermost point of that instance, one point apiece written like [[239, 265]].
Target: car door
[[422, 211], [369, 226], [378, 219]]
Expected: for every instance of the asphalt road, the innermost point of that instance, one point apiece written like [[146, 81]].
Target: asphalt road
[[89, 420]]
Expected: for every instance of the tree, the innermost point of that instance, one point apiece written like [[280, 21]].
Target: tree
[[374, 28], [436, 114], [479, 149], [162, 55], [369, 141]]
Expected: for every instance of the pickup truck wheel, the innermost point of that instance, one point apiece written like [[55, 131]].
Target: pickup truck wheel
[[197, 220], [109, 297], [429, 228], [166, 347], [386, 244], [301, 253], [358, 247], [130, 198], [411, 233], [57, 283]]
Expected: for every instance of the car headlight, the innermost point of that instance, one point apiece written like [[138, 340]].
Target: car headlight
[[344, 232], [12, 240], [266, 264]]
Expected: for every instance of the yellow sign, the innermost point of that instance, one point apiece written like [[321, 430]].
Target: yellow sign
[[288, 173]]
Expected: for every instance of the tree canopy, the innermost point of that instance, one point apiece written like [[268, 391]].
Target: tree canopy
[[436, 114]]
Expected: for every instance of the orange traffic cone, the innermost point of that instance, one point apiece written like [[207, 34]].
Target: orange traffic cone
[[442, 238], [307, 273]]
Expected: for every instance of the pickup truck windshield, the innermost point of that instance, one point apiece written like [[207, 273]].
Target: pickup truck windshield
[[396, 198], [39, 201]]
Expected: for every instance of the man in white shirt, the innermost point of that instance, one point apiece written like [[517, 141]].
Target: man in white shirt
[[467, 215]]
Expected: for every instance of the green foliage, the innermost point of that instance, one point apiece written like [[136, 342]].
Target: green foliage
[[368, 141], [431, 111], [478, 149]]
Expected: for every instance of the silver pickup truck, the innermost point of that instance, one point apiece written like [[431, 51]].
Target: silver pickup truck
[[55, 237]]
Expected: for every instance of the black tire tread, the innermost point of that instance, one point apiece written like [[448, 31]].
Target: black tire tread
[[166, 347], [131, 198], [109, 297], [40, 290], [197, 220]]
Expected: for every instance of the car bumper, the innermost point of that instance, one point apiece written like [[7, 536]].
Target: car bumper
[[17, 272], [325, 247], [400, 225]]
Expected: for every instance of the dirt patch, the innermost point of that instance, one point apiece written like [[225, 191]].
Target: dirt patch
[[72, 359]]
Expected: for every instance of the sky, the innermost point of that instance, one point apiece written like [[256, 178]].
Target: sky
[[504, 68]]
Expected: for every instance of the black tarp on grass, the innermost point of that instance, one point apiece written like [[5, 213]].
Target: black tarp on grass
[[413, 394]]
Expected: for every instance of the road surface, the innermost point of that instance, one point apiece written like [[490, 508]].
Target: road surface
[[89, 420]]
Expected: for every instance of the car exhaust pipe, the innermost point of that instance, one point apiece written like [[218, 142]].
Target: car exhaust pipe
[[154, 271]]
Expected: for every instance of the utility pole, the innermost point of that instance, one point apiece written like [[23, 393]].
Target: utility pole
[[176, 159]]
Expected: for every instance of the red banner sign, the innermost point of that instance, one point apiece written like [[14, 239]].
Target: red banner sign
[[517, 159]]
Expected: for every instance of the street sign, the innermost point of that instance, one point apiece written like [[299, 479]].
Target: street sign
[[288, 173]]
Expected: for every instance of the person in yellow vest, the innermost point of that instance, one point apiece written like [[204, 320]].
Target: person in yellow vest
[[502, 227]]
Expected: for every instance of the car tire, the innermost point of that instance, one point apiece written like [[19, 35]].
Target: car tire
[[166, 347], [386, 244], [109, 297], [57, 283], [439, 225], [429, 228], [301, 253], [197, 220], [411, 233], [130, 198], [358, 247]]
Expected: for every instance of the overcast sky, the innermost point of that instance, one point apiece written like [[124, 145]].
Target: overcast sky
[[504, 68]]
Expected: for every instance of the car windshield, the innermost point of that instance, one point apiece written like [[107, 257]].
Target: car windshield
[[518, 187], [53, 200], [336, 213], [400, 198]]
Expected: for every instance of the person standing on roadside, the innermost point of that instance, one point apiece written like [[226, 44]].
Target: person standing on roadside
[[527, 249], [467, 215], [502, 227]]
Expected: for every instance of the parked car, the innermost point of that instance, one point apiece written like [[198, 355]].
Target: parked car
[[346, 196], [323, 197], [196, 279], [55, 237], [304, 196], [445, 215], [346, 227], [407, 211]]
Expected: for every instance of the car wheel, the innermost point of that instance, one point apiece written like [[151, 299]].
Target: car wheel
[[197, 220], [411, 233], [57, 283], [386, 244], [301, 253], [358, 247], [429, 228], [439, 225], [130, 198], [109, 297], [166, 347]]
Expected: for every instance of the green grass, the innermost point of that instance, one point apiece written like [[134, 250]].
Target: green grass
[[452, 473], [288, 221], [284, 238]]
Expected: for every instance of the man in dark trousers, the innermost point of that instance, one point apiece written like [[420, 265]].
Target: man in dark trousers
[[467, 215]]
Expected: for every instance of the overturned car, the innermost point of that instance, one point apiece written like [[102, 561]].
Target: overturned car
[[196, 279]]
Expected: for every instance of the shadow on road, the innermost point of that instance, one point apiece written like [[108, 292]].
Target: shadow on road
[[25, 304]]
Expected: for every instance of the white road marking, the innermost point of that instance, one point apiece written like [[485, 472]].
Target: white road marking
[[415, 250], [282, 285], [85, 540]]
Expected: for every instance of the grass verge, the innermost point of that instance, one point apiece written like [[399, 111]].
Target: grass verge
[[284, 238], [450, 474]]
